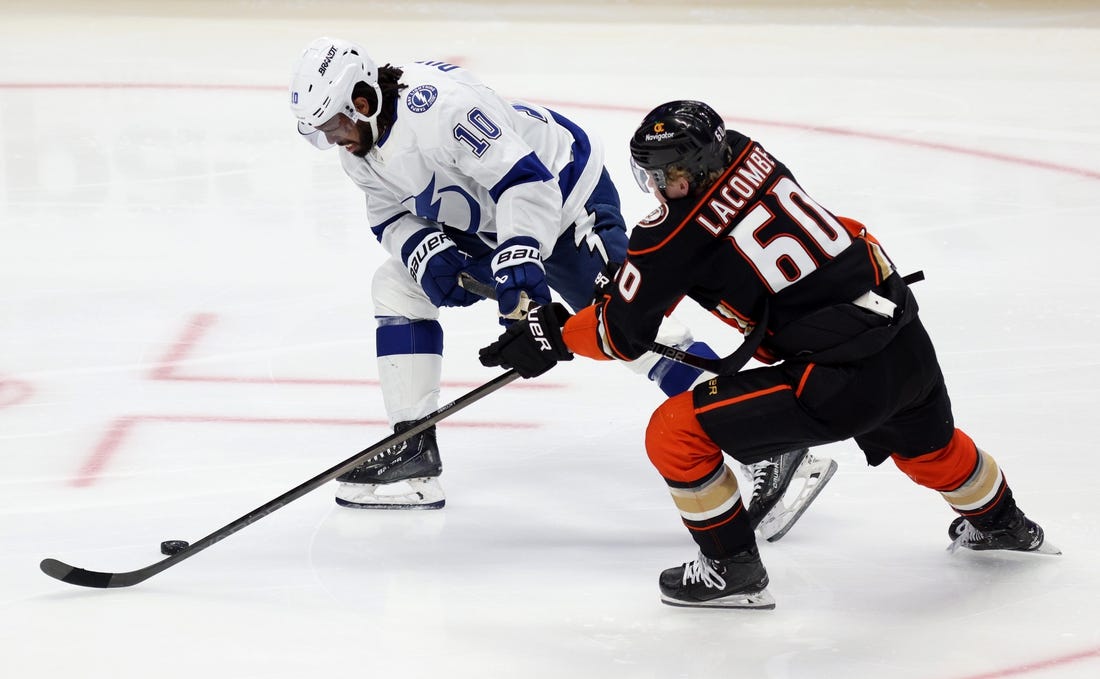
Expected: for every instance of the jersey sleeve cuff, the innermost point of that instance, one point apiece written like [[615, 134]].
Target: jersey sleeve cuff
[[581, 334]]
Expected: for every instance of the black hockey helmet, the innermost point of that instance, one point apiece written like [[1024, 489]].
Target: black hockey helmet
[[685, 134]]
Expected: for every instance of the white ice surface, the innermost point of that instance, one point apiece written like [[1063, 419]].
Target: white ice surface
[[186, 333]]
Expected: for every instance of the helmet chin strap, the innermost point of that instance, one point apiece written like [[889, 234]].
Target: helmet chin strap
[[372, 119], [372, 123]]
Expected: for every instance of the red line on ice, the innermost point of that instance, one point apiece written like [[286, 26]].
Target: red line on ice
[[819, 129], [875, 136], [991, 155], [117, 432], [1038, 665], [13, 392], [166, 369]]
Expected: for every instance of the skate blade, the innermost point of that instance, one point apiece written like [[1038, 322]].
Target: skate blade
[[762, 600], [1045, 548], [390, 505], [421, 493], [815, 473]]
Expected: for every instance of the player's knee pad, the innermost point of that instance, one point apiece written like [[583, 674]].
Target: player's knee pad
[[676, 443], [395, 293]]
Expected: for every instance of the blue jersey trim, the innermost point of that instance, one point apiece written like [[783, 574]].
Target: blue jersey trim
[[582, 151], [377, 229], [528, 169]]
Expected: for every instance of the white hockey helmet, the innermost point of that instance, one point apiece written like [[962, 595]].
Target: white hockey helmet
[[322, 83]]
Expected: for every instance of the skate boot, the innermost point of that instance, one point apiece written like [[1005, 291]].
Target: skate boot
[[739, 581], [405, 476], [775, 506], [1017, 534]]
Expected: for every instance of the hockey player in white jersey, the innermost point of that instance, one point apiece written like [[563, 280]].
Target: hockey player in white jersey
[[457, 179]]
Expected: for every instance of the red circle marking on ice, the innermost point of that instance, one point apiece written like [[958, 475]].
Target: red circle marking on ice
[[13, 392]]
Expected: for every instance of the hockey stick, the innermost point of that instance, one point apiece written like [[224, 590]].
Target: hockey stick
[[719, 366], [85, 578]]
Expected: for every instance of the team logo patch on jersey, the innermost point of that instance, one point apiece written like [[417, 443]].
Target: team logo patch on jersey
[[656, 217], [421, 98]]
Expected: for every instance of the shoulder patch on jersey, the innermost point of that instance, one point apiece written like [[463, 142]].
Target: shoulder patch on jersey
[[656, 217], [421, 98]]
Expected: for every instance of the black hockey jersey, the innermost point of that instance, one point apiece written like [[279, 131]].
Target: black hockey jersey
[[755, 238]]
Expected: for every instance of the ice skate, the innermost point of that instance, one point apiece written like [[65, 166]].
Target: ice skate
[[739, 581], [1019, 534], [405, 476], [783, 489]]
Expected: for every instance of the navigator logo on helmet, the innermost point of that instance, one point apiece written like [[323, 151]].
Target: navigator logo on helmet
[[684, 134], [322, 83]]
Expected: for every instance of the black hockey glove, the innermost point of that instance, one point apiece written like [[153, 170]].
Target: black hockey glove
[[531, 346]]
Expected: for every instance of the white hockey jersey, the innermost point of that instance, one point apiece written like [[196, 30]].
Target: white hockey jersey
[[460, 156]]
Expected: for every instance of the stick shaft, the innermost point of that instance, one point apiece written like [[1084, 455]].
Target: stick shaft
[[86, 578]]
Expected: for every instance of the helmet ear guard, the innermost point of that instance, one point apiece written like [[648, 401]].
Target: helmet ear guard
[[683, 134], [322, 84]]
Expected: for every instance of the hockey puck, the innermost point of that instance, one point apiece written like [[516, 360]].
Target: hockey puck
[[170, 547]]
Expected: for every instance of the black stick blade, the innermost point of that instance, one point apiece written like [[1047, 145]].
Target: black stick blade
[[74, 575]]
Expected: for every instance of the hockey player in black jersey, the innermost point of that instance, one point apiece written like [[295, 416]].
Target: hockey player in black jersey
[[818, 301], [459, 181]]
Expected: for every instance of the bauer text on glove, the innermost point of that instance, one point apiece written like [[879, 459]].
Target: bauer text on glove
[[435, 261], [531, 346], [519, 278]]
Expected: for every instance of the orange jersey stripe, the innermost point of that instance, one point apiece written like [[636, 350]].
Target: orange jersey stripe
[[996, 501], [743, 397], [802, 382], [712, 526]]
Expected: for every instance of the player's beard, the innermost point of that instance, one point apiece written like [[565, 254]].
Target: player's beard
[[366, 139]]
